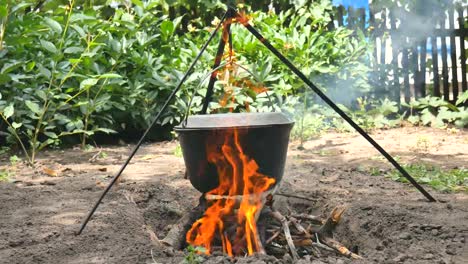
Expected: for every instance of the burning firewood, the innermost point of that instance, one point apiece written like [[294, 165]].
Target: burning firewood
[[278, 234]]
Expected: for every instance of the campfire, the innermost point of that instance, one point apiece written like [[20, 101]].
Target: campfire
[[237, 162]]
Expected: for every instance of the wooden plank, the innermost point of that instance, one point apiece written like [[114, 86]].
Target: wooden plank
[[416, 71], [351, 17], [376, 78], [372, 34], [435, 66], [383, 74], [340, 17], [405, 66], [445, 73], [383, 42], [453, 54], [422, 65], [462, 49], [333, 18], [372, 25], [362, 15], [331, 24], [396, 80]]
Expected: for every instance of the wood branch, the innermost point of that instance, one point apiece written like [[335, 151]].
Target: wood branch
[[299, 227], [315, 251], [322, 246], [307, 242], [176, 236], [312, 218], [337, 246], [310, 246], [326, 230], [95, 156], [275, 235], [284, 222]]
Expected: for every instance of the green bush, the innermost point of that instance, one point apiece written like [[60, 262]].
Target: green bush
[[68, 72], [79, 69], [436, 112]]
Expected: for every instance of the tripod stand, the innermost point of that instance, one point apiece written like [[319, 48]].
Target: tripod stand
[[233, 15]]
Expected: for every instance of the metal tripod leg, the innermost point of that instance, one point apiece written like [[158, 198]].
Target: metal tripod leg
[[156, 119], [327, 100], [219, 55]]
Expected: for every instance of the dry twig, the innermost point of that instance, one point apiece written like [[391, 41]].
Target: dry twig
[[287, 233], [312, 218], [275, 235], [330, 242]]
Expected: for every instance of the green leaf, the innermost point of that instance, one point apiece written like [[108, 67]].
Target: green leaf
[[414, 119], [16, 125], [426, 117], [137, 3], [8, 111], [54, 25], [438, 123], [127, 17], [4, 78], [177, 21], [88, 83], [71, 50], [79, 30], [45, 143], [79, 16], [20, 6], [3, 11], [44, 71], [452, 107], [9, 67], [51, 135], [106, 130], [41, 94], [110, 76], [116, 46], [30, 66], [462, 98], [49, 46], [167, 28], [33, 107]]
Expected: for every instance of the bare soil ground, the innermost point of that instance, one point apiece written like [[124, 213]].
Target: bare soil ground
[[388, 222]]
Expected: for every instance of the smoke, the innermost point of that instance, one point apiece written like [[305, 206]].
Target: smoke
[[407, 25]]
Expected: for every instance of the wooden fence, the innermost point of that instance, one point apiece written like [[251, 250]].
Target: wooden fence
[[406, 66]]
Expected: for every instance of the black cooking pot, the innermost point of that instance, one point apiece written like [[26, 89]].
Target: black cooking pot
[[263, 137]]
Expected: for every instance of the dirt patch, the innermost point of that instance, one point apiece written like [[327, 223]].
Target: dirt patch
[[386, 221]]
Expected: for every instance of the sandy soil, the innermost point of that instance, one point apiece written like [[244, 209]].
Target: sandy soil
[[388, 222]]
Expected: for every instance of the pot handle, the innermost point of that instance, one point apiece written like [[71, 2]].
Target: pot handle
[[187, 113]]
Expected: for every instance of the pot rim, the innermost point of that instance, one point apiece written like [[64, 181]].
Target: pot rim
[[234, 121], [182, 129]]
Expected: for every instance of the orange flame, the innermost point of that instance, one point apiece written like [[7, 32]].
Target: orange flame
[[238, 175]]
